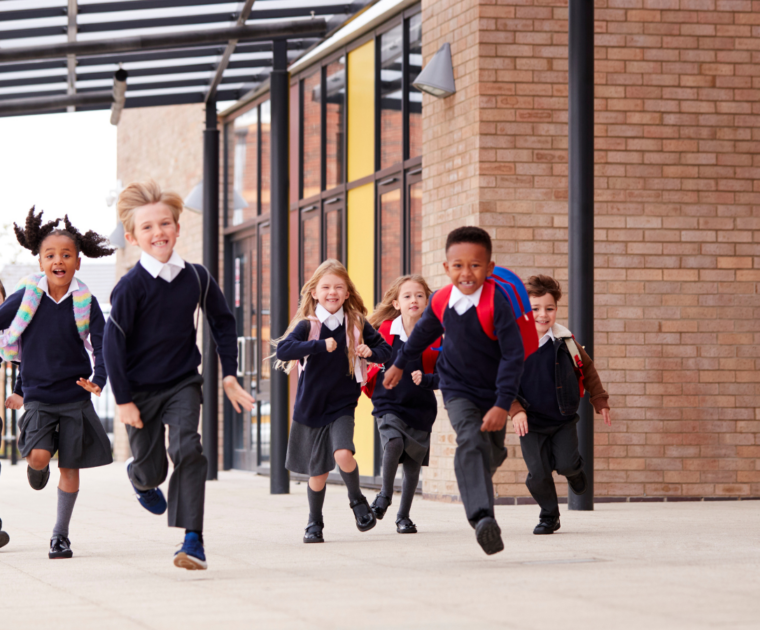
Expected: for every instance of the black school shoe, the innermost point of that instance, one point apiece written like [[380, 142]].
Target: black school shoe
[[365, 517], [4, 538], [578, 483], [38, 478], [547, 526], [405, 525], [313, 533], [488, 535], [380, 505], [60, 547]]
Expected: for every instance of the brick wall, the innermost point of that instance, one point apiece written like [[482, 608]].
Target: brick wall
[[677, 218]]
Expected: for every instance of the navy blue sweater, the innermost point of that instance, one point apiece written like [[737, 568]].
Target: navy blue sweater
[[326, 390], [53, 356], [150, 338], [539, 389], [414, 404], [471, 365]]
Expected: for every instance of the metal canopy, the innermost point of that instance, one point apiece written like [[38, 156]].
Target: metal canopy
[[79, 32]]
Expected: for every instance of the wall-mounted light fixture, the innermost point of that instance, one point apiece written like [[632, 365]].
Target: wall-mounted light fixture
[[194, 201], [437, 78]]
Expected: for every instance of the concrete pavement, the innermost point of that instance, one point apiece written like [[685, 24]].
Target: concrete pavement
[[646, 565]]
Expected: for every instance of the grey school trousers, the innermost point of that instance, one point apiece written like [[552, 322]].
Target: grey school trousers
[[177, 408], [545, 449], [478, 455]]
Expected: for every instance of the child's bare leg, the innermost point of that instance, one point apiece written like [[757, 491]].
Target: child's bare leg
[[38, 458], [69, 479], [317, 484], [345, 460], [68, 490]]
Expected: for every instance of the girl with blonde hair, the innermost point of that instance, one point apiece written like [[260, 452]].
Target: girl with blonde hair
[[331, 342], [405, 414]]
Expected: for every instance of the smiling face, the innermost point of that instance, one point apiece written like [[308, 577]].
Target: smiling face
[[544, 312], [331, 292], [59, 260], [411, 300], [155, 231], [468, 265]]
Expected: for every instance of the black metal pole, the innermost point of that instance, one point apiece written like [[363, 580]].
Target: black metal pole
[[581, 216], [211, 262], [279, 92]]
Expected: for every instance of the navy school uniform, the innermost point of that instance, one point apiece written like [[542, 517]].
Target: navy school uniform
[[327, 395], [58, 413], [476, 373]]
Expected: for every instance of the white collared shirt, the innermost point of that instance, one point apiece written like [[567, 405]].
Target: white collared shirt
[[331, 320], [461, 303], [166, 271], [397, 329], [43, 285], [546, 338]]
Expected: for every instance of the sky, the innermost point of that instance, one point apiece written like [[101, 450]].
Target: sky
[[62, 164]]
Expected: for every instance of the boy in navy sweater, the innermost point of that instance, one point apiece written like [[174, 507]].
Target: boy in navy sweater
[[479, 377], [152, 358]]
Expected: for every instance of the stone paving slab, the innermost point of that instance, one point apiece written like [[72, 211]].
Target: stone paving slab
[[640, 566]]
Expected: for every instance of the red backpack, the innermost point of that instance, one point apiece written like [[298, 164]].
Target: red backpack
[[514, 290], [429, 357]]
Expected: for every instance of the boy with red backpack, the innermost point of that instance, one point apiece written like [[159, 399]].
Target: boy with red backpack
[[479, 368], [548, 436]]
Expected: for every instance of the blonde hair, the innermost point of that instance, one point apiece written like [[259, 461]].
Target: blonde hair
[[139, 194], [385, 309], [353, 308]]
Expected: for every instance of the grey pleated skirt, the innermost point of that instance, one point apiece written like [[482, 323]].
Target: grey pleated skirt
[[416, 441], [73, 430], [310, 451]]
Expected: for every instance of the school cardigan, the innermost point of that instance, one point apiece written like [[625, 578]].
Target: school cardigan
[[326, 390], [54, 357], [150, 337], [414, 404], [471, 365]]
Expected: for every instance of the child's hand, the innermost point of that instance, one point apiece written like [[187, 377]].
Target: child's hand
[[606, 417], [520, 423], [494, 420], [14, 401], [363, 351], [89, 386], [392, 377], [130, 414], [417, 377], [237, 395], [330, 344]]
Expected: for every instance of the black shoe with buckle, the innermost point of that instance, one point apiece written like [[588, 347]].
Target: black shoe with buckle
[[380, 505], [404, 525], [60, 547], [547, 525], [488, 535], [365, 518], [38, 478], [578, 483], [4, 538], [313, 533]]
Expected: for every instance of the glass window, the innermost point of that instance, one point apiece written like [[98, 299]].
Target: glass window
[[391, 263], [413, 68], [311, 242], [335, 105], [264, 333], [415, 228], [245, 166], [252, 343], [334, 234], [266, 153], [312, 136], [391, 121]]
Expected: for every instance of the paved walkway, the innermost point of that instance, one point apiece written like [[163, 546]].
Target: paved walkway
[[640, 566]]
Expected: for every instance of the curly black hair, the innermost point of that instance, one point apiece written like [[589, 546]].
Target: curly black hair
[[34, 233]]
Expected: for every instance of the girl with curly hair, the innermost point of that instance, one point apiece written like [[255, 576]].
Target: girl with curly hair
[[47, 325]]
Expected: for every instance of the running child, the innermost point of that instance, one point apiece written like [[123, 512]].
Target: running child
[[479, 375], [405, 414], [331, 342], [48, 325], [152, 358], [548, 435]]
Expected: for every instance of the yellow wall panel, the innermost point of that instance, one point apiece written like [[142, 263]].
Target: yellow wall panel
[[361, 111], [361, 267]]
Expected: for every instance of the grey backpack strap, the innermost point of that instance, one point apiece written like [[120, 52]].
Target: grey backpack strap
[[202, 295]]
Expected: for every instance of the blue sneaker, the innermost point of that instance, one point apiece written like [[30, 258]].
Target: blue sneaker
[[151, 500], [191, 556]]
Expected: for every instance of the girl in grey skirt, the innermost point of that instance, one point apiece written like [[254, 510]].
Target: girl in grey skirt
[[331, 342], [405, 414], [54, 319]]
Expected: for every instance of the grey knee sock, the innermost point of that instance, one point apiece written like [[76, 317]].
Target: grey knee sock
[[66, 501], [408, 487], [351, 479], [394, 449], [316, 501]]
